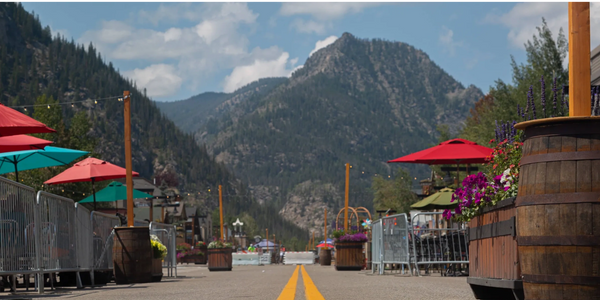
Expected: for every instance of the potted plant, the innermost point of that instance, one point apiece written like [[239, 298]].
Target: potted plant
[[349, 254], [203, 249], [487, 202], [191, 256], [159, 252], [219, 256], [181, 248]]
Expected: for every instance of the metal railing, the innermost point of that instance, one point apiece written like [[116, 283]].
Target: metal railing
[[390, 242], [438, 245], [167, 234]]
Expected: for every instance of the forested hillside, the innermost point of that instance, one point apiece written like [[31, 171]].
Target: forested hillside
[[35, 64], [356, 101]]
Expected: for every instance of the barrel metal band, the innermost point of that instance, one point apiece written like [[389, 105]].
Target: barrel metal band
[[573, 129], [502, 204], [561, 198], [562, 279], [560, 156], [559, 240], [502, 228]]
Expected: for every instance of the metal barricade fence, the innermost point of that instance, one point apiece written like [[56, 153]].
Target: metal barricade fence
[[102, 240], [167, 234], [84, 238], [438, 245], [376, 241], [18, 212], [391, 242], [59, 253]]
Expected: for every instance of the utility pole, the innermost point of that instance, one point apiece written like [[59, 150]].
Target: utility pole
[[267, 229], [313, 241], [128, 163], [346, 202], [579, 59], [221, 210], [325, 227]]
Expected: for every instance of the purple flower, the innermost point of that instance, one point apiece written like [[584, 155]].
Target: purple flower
[[543, 96], [506, 188], [532, 103], [447, 214], [554, 96]]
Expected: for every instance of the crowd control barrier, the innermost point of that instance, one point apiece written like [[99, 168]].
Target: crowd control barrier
[[390, 242], [299, 258], [245, 259], [438, 245], [167, 234], [46, 234]]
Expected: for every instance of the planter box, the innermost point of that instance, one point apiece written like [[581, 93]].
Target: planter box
[[349, 256], [219, 259], [494, 270], [132, 255], [157, 273], [204, 258]]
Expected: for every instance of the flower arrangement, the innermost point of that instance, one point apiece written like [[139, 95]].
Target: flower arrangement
[[340, 236], [501, 182], [200, 244], [192, 252], [183, 247], [159, 251], [218, 245]]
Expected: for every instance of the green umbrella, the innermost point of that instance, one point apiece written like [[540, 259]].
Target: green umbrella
[[36, 159], [115, 191], [439, 200]]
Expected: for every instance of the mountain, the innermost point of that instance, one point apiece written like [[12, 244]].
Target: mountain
[[213, 105], [355, 101], [34, 64]]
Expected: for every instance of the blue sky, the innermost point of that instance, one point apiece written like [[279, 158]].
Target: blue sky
[[177, 50]]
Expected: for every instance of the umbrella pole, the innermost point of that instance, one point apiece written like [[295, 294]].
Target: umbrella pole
[[457, 174], [16, 170], [94, 193]]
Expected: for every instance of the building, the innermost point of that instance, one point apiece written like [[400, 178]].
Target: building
[[595, 59]]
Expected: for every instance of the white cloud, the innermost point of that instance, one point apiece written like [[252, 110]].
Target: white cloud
[[523, 19], [447, 40], [160, 80], [309, 26], [216, 42], [259, 68], [323, 11], [323, 43]]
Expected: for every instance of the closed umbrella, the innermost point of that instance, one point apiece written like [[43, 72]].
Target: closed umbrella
[[439, 200], [21, 142], [36, 159], [13, 122], [90, 169]]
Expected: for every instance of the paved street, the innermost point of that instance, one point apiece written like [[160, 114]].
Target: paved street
[[268, 282]]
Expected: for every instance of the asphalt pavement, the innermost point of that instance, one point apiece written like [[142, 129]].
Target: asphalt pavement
[[268, 282]]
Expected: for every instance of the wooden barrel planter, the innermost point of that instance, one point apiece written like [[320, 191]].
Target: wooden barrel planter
[[157, 272], [204, 258], [132, 255], [349, 256], [219, 259], [494, 271], [558, 208], [325, 257]]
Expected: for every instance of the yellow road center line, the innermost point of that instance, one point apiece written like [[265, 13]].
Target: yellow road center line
[[289, 291], [311, 291]]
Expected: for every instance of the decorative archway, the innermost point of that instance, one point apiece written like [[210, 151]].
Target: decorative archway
[[353, 214]]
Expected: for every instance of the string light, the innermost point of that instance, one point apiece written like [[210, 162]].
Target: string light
[[72, 103]]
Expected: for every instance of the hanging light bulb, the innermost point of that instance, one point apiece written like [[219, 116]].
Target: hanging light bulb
[[72, 104], [95, 101], [25, 108], [48, 106]]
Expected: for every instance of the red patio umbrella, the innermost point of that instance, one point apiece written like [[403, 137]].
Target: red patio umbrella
[[13, 122], [21, 142], [456, 151], [323, 245], [90, 169]]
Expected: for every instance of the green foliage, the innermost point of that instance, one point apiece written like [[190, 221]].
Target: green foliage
[[545, 58], [219, 245], [159, 251], [393, 194], [336, 234]]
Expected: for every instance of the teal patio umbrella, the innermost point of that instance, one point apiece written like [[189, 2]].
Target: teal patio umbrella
[[36, 159], [115, 191]]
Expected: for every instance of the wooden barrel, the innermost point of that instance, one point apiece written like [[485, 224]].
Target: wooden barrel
[[325, 257], [157, 271], [349, 256], [558, 208], [494, 270], [220, 259], [132, 255]]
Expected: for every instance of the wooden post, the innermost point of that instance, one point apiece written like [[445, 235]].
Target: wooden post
[[313, 241], [579, 59], [346, 202], [325, 227], [151, 214], [267, 229], [193, 223], [221, 210], [128, 163]]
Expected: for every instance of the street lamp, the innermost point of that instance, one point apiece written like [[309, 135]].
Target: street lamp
[[237, 229]]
